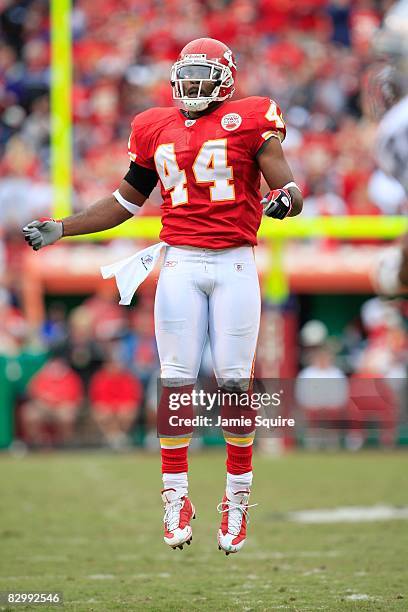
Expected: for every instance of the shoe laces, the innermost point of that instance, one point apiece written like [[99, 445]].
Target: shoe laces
[[172, 514], [235, 513]]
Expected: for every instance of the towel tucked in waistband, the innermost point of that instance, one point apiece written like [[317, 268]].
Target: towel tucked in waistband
[[129, 273]]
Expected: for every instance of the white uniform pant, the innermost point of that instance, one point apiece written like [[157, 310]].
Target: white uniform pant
[[204, 291]]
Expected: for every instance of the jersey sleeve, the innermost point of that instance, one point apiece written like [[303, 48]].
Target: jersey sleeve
[[139, 144], [269, 123]]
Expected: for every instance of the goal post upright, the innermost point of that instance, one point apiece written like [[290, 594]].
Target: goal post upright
[[61, 107]]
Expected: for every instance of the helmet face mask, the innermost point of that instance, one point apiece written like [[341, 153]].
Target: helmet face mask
[[201, 78]]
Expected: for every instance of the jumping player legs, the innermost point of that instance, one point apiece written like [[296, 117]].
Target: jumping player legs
[[200, 291], [181, 323], [234, 315]]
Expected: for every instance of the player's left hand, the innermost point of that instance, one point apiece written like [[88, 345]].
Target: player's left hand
[[277, 203]]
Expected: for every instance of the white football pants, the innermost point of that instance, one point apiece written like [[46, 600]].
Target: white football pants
[[210, 291]]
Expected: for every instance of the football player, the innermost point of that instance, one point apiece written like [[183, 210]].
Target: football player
[[208, 155], [385, 97], [391, 274]]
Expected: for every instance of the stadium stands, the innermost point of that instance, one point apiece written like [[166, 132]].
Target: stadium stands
[[309, 56]]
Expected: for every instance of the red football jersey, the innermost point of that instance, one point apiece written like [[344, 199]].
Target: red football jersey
[[208, 171]]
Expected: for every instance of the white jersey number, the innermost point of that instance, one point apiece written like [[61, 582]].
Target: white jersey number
[[210, 166], [171, 176], [272, 115]]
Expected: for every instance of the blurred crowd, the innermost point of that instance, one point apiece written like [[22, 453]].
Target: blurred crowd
[[347, 385], [91, 376], [310, 56], [99, 360]]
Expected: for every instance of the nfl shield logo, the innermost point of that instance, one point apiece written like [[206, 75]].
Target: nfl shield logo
[[147, 260]]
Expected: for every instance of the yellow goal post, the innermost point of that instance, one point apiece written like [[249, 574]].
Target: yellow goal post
[[277, 232]]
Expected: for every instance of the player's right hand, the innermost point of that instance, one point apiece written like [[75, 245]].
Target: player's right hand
[[42, 232]]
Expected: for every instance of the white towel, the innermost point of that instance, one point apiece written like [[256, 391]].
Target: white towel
[[132, 271]]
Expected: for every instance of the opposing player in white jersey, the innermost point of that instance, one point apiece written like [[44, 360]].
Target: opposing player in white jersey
[[387, 96], [208, 155], [392, 136], [390, 274]]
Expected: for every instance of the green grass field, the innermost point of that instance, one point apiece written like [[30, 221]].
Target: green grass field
[[90, 525]]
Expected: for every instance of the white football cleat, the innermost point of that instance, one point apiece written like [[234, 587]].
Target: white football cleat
[[232, 533], [178, 513]]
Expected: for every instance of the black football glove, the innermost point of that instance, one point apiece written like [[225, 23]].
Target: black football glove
[[277, 203]]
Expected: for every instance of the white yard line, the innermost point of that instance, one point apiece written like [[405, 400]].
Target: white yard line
[[358, 597], [101, 577], [350, 514]]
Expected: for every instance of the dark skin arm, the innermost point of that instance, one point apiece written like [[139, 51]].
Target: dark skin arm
[[274, 167], [104, 214]]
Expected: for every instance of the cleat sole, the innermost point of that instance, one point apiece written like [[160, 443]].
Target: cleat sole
[[180, 546]]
